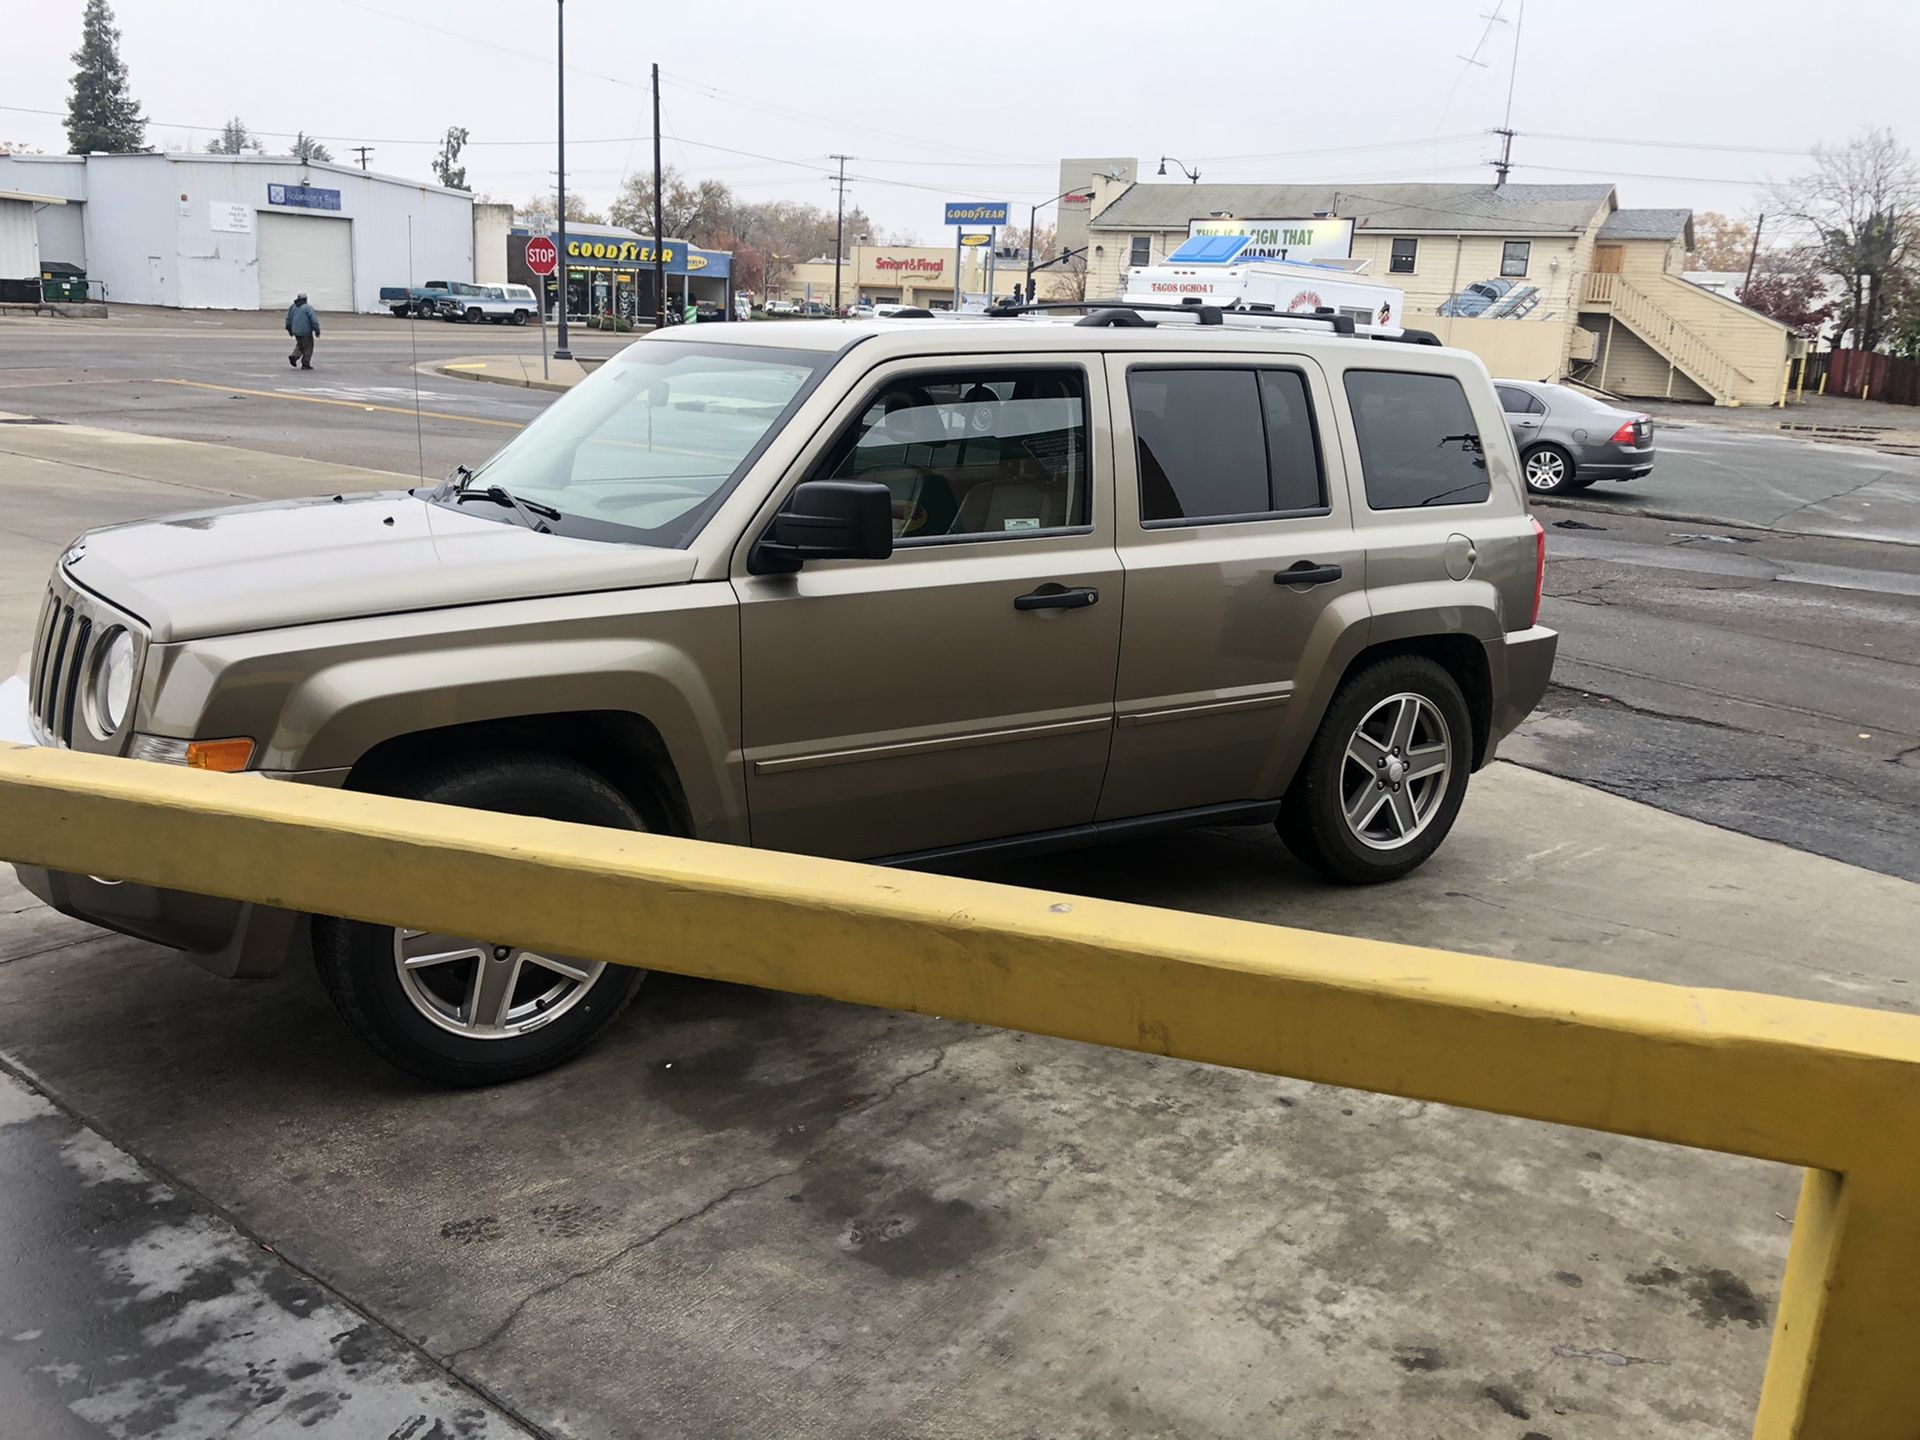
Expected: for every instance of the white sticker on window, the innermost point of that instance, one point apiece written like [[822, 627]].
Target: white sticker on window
[[1020, 524]]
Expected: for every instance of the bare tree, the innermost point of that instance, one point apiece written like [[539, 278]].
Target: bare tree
[[1862, 204]]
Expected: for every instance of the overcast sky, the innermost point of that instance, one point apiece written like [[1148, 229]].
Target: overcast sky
[[979, 101]]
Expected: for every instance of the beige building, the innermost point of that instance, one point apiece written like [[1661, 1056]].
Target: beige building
[[909, 274], [1543, 282]]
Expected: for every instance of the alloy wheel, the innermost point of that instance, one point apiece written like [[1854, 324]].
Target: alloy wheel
[[487, 992], [1394, 775], [1546, 470]]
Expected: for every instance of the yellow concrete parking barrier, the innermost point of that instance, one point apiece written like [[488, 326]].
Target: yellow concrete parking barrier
[[1828, 1087]]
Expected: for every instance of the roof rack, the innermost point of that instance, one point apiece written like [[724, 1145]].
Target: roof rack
[[1127, 313]]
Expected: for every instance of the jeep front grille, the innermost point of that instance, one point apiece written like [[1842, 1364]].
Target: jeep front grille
[[71, 621]]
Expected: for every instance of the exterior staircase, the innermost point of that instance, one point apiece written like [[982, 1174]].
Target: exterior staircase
[[1669, 336]]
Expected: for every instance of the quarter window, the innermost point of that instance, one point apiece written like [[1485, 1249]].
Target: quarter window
[[1418, 441], [1518, 402], [1514, 256], [974, 453], [1405, 250], [1142, 250], [1216, 444]]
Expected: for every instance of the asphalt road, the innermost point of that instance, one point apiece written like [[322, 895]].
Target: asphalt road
[[1741, 629]]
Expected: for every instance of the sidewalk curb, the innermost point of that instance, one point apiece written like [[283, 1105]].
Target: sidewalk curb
[[431, 367]]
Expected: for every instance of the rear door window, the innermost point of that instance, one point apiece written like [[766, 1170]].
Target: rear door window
[[1222, 444], [1419, 444]]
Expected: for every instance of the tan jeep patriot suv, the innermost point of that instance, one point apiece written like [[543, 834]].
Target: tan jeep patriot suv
[[897, 590]]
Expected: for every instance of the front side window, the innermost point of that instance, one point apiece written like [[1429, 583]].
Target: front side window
[[1142, 253], [646, 448], [974, 453], [1418, 441], [1405, 250], [1216, 444], [1514, 256]]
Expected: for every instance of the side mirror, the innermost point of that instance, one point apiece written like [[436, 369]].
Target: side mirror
[[827, 520]]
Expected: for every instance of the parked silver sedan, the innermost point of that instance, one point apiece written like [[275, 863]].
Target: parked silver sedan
[[1567, 439]]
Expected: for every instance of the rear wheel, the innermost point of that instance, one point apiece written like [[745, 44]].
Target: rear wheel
[[1383, 780], [1548, 469], [519, 317], [464, 1011]]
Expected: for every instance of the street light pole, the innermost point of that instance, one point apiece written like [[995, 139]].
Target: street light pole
[[560, 350], [659, 240], [1192, 175], [1033, 212]]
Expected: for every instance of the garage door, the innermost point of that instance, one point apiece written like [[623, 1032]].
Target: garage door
[[305, 252]]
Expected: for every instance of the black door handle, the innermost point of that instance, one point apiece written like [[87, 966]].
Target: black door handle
[[1057, 597], [1305, 572]]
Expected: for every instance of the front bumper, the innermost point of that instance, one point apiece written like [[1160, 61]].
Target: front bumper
[[1526, 663], [228, 937]]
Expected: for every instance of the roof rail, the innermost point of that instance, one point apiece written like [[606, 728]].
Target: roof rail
[[1105, 312]]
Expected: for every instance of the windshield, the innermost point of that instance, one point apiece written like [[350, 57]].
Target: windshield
[[647, 447]]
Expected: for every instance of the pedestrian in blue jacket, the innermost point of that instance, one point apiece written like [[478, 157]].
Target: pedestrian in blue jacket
[[304, 326]]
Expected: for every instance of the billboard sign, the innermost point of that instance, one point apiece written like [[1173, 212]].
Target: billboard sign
[[1314, 238], [976, 212]]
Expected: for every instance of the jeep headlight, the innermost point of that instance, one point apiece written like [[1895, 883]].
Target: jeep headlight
[[113, 682]]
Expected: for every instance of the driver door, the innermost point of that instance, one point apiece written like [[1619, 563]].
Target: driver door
[[962, 689]]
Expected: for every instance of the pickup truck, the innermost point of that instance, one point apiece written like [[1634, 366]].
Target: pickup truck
[[422, 301], [502, 304]]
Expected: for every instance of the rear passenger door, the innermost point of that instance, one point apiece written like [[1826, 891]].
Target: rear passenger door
[[1227, 482], [1523, 413]]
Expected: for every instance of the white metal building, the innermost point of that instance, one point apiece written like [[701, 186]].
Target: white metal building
[[225, 232]]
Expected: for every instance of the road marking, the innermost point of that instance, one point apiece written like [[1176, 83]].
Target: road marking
[[347, 404]]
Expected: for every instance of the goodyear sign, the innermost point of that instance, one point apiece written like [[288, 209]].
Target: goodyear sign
[[627, 252], [976, 212]]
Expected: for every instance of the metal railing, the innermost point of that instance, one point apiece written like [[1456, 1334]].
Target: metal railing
[[1828, 1087], [1667, 334]]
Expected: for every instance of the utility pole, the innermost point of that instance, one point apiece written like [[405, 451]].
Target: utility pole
[[839, 227], [1505, 162], [560, 350], [363, 151], [659, 241], [1753, 254]]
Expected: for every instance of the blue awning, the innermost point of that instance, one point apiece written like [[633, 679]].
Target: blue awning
[[1210, 250]]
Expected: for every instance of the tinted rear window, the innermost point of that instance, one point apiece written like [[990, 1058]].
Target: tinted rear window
[[1418, 441], [1214, 444]]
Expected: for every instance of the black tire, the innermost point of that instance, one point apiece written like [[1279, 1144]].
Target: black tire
[[1547, 469], [473, 315], [357, 960], [519, 317], [1313, 820], [424, 310]]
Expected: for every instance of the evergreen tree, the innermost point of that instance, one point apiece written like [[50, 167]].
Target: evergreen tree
[[234, 139], [306, 148], [102, 115], [446, 166]]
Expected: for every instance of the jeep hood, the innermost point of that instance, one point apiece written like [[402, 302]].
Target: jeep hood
[[258, 567]]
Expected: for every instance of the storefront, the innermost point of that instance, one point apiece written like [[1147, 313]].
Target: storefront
[[904, 274], [610, 271]]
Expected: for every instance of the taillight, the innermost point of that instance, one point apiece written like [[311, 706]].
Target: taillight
[[1625, 435], [1539, 568]]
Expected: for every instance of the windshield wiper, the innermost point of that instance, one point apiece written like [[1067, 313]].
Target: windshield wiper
[[527, 510]]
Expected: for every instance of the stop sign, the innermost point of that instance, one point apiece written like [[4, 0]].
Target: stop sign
[[542, 258]]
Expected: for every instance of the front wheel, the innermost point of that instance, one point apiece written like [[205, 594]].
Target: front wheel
[[464, 1011], [474, 317], [1383, 780], [1548, 468]]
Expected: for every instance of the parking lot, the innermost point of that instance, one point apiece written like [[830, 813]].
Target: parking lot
[[753, 1213]]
